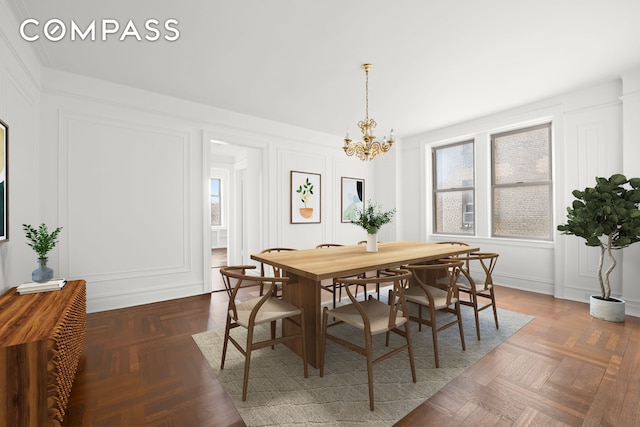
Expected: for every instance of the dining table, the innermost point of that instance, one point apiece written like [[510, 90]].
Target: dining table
[[307, 268]]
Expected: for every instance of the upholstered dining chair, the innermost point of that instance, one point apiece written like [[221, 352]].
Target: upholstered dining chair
[[479, 290], [372, 317], [436, 299], [253, 312], [331, 285], [270, 270]]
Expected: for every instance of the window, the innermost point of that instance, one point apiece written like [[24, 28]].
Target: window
[[521, 183], [453, 198], [216, 201]]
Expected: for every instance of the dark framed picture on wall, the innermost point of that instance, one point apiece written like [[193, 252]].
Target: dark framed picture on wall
[[352, 197], [305, 198], [4, 175]]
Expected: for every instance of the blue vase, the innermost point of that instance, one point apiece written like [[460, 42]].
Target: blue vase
[[42, 273]]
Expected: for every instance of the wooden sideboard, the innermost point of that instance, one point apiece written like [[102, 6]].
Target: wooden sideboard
[[41, 339]]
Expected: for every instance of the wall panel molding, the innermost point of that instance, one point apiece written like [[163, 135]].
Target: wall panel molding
[[124, 198]]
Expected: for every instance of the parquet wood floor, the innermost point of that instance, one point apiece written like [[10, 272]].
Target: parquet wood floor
[[140, 368]]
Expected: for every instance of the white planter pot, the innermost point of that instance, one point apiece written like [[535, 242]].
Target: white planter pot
[[372, 243], [612, 311]]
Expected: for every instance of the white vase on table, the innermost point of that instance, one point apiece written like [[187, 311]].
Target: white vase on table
[[372, 243]]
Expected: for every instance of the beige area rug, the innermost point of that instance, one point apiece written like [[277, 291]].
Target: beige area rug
[[278, 393]]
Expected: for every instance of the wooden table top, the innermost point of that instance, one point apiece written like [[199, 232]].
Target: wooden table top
[[327, 263]]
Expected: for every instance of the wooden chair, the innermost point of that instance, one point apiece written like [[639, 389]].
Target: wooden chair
[[378, 273], [436, 299], [455, 243], [479, 290], [372, 317], [250, 313], [275, 271], [332, 286]]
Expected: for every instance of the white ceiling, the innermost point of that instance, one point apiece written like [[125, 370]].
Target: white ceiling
[[298, 61]]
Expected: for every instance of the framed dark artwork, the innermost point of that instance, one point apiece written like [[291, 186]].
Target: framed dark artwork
[[4, 175], [352, 198], [305, 198]]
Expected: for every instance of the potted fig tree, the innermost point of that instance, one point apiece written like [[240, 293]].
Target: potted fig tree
[[606, 216]]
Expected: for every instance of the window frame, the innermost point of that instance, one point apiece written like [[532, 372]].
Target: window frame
[[436, 190], [520, 184]]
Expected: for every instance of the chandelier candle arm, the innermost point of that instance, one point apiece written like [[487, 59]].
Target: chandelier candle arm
[[370, 148]]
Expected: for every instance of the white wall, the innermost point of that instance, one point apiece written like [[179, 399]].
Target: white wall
[[631, 168], [588, 142], [128, 184], [19, 109]]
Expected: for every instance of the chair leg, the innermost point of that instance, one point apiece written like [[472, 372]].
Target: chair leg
[[226, 341], [247, 362], [407, 334], [495, 310], [459, 314], [434, 333], [325, 319], [273, 334], [304, 344], [369, 350], [477, 315]]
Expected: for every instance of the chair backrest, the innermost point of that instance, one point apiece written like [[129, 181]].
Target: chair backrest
[[265, 269], [236, 278], [397, 304], [328, 245], [461, 256], [452, 267], [487, 261], [454, 243]]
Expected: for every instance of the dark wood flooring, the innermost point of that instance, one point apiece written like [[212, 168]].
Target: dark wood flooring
[[141, 368]]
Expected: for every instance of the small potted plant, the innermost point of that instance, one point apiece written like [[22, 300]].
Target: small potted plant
[[606, 216], [305, 191], [371, 219], [42, 242]]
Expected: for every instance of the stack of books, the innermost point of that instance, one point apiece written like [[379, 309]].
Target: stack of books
[[33, 287]]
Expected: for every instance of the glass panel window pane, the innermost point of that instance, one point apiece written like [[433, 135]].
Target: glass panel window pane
[[216, 205], [454, 212], [522, 156], [454, 166], [522, 211]]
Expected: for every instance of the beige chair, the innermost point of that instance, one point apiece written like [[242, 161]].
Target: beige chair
[[372, 317], [479, 291], [436, 299], [257, 311], [331, 286], [270, 270]]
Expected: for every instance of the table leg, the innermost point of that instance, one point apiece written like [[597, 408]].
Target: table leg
[[303, 292]]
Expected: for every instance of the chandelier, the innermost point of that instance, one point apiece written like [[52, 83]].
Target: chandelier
[[370, 148]]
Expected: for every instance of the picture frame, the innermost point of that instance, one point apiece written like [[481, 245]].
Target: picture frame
[[4, 176], [306, 198], [351, 198]]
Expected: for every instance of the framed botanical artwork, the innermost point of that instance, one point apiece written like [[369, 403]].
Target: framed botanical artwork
[[305, 197], [352, 198], [4, 175]]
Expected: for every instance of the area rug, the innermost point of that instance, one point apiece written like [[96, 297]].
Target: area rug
[[278, 393]]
